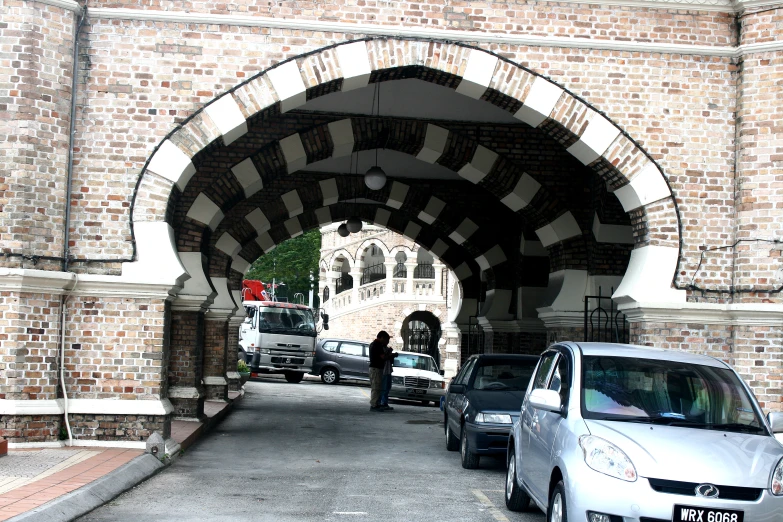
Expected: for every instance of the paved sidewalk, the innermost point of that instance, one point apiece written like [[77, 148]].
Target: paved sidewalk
[[52, 484]]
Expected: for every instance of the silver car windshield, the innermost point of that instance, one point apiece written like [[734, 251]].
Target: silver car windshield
[[417, 362], [666, 392], [291, 321]]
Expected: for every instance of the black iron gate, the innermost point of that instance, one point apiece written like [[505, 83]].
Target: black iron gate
[[419, 340], [603, 322]]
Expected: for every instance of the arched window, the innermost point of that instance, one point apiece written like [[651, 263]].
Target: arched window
[[326, 294]]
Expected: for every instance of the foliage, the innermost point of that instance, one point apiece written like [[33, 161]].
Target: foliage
[[242, 367], [291, 263]]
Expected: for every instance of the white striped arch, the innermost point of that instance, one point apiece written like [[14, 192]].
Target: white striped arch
[[590, 136]]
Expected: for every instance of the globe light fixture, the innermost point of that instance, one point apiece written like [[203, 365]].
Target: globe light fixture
[[375, 178], [354, 224], [343, 230]]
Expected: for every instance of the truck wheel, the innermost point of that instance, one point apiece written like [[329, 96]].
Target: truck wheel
[[294, 377], [330, 376]]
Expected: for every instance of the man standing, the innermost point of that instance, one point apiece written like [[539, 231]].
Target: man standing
[[388, 367], [377, 363]]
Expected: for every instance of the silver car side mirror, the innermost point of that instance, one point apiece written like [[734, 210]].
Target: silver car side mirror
[[548, 400], [775, 419]]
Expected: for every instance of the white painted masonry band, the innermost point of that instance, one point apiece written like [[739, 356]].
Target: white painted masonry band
[[412, 230], [434, 144], [293, 227], [464, 231], [265, 242], [240, 264], [539, 103], [329, 191], [523, 193], [492, 257], [439, 248], [530, 248], [382, 217], [648, 278], [294, 153], [228, 118], [599, 134], [292, 203], [258, 221], [433, 209], [156, 252], [478, 74], [566, 292], [496, 305], [86, 406], [463, 272], [647, 187], [354, 64], [205, 211], [223, 302], [558, 230], [228, 245], [198, 284], [323, 215], [397, 194], [289, 86], [604, 233], [170, 162], [342, 137], [481, 164], [247, 175], [214, 381]]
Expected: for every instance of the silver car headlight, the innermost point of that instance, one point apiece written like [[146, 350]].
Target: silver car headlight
[[604, 457], [398, 380], [493, 418], [776, 483], [436, 384]]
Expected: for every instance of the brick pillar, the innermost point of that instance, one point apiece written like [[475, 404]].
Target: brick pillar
[[186, 391], [215, 345], [232, 375]]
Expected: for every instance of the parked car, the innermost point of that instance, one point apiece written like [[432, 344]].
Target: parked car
[[337, 359], [482, 402], [612, 433], [416, 376]]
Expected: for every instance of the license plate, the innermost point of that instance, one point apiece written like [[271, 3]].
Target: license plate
[[702, 514], [418, 392]]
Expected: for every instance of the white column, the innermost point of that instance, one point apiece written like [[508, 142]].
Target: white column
[[410, 266], [438, 279], [389, 265], [356, 273]]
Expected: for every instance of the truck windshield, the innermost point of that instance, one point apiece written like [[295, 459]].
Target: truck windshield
[[291, 321]]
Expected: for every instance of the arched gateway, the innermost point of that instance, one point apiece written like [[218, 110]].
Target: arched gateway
[[530, 194]]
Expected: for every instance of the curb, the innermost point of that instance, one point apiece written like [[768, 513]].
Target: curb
[[96, 493]]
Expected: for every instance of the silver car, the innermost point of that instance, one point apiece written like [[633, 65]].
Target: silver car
[[620, 433]]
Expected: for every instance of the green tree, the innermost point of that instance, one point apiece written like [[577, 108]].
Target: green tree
[[291, 263]]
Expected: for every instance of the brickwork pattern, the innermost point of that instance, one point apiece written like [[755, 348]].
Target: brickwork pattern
[[187, 348], [119, 427], [30, 428]]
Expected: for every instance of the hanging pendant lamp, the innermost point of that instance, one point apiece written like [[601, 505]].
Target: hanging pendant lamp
[[375, 177], [343, 230], [354, 224]]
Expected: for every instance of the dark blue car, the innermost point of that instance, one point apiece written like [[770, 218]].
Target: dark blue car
[[483, 402]]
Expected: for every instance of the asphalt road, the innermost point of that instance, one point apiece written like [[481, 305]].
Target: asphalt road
[[309, 451]]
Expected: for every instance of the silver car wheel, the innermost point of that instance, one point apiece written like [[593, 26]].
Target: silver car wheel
[[510, 477], [556, 511]]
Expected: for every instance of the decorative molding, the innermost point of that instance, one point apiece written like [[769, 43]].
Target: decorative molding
[[466, 36], [31, 407], [86, 406], [751, 314], [527, 325], [57, 283], [69, 5]]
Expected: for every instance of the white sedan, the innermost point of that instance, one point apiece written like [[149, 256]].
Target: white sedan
[[416, 377]]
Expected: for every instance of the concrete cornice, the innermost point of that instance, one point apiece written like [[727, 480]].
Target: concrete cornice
[[86, 406], [69, 5], [705, 313], [529, 325], [58, 283], [455, 35]]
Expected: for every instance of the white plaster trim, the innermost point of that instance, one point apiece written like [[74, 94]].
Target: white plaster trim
[[604, 233], [288, 84], [648, 278], [130, 444], [539, 103], [224, 302], [197, 293], [31, 407], [248, 176], [228, 118], [433, 209], [214, 381], [120, 407], [529, 248], [599, 134], [240, 264], [68, 5], [294, 152], [464, 231], [478, 74], [323, 215], [439, 248], [434, 144], [527, 324], [741, 314], [293, 203], [445, 34], [32, 445], [258, 221], [496, 305], [478, 168], [565, 292], [329, 191], [228, 245], [492, 257], [35, 281], [293, 227], [158, 262], [205, 211], [266, 242], [646, 187], [382, 217], [171, 163], [523, 193], [354, 64], [412, 230], [342, 137], [560, 229], [463, 272], [397, 194]]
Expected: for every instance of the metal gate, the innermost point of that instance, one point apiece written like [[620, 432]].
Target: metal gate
[[603, 322]]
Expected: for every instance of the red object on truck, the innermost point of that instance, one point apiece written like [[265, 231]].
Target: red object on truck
[[253, 290]]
